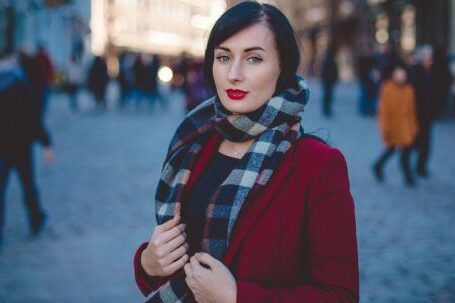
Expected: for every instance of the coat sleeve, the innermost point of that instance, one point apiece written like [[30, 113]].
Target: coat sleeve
[[332, 246], [147, 284], [384, 112]]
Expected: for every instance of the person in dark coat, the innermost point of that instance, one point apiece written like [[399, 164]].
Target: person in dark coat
[[98, 80], [250, 208], [198, 90], [424, 81], [443, 81], [45, 77], [125, 77], [20, 125], [329, 77], [369, 76]]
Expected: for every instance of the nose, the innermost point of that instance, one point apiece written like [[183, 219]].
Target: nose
[[235, 73]]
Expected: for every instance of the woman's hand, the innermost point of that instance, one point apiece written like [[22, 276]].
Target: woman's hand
[[166, 251], [209, 280], [49, 155]]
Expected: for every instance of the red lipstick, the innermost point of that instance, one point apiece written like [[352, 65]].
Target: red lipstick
[[236, 94]]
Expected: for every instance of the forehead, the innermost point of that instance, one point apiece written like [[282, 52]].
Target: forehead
[[258, 34]]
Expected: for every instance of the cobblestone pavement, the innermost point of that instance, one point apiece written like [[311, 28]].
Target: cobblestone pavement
[[99, 197]]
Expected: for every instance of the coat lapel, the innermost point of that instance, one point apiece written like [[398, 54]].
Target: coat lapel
[[250, 215]]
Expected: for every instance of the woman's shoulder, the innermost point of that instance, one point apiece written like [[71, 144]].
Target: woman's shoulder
[[313, 150]]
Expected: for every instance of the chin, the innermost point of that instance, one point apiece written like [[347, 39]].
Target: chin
[[235, 109]]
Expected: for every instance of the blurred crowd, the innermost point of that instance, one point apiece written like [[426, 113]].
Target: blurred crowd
[[406, 94]]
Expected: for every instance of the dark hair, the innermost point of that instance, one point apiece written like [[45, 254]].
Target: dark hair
[[392, 66], [245, 14]]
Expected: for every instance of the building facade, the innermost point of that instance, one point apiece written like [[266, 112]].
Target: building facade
[[59, 25], [165, 27]]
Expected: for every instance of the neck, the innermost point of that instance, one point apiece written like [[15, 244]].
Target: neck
[[234, 149]]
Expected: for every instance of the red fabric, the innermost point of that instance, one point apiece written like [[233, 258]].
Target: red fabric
[[146, 283], [45, 67], [297, 242]]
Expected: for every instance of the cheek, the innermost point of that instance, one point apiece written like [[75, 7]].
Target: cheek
[[215, 74], [267, 82]]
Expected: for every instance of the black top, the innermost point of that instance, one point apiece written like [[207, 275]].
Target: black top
[[194, 208], [20, 120]]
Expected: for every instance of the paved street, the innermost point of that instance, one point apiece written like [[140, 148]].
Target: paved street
[[99, 197]]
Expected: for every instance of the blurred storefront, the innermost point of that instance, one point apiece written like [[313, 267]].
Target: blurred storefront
[[61, 26], [164, 27]]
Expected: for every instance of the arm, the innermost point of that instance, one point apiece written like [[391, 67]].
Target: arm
[[384, 112], [38, 128], [332, 248]]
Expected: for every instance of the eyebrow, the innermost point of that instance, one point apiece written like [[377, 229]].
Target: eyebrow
[[249, 49]]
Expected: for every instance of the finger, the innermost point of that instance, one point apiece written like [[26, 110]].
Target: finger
[[177, 253], [207, 259], [188, 282], [195, 265], [169, 224], [174, 243], [171, 233], [188, 271], [173, 267]]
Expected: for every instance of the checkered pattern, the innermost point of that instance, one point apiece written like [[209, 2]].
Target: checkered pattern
[[274, 126]]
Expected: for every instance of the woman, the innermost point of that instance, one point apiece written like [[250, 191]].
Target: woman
[[249, 209], [397, 121]]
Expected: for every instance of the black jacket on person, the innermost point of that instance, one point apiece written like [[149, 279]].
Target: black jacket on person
[[424, 83], [329, 73], [20, 121]]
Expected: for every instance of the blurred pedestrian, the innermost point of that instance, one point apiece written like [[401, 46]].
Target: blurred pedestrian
[[249, 208], [98, 80], [75, 76], [44, 78], [125, 77], [397, 121], [424, 82], [180, 77], [369, 78], [142, 80], [443, 81], [384, 56], [198, 90], [329, 77], [153, 89], [20, 125]]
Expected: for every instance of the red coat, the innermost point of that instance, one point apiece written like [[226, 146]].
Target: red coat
[[297, 242]]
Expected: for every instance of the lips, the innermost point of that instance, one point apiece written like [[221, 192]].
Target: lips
[[236, 94]]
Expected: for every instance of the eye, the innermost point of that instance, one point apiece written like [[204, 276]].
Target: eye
[[254, 59], [222, 58]]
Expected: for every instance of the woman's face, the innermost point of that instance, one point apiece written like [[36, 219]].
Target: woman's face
[[399, 75], [246, 68]]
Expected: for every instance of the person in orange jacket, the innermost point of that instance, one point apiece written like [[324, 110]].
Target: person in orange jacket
[[397, 119]]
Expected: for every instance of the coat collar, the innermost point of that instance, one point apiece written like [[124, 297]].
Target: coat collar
[[253, 212]]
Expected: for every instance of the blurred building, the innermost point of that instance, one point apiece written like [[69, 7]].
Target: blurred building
[[357, 26], [318, 23], [408, 23], [166, 27], [61, 26]]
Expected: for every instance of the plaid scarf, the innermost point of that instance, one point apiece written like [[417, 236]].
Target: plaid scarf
[[274, 127]]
